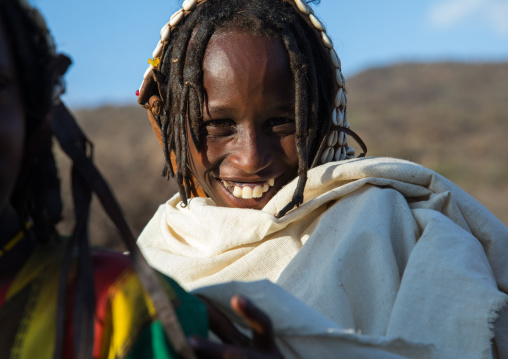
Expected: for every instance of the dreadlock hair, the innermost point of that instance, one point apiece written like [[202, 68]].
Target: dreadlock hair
[[178, 80], [37, 191]]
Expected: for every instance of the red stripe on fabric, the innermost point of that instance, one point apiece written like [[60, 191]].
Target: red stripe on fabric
[[108, 267], [4, 288]]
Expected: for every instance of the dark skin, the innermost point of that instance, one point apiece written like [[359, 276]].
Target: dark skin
[[236, 345], [248, 136], [12, 138], [248, 139], [12, 143]]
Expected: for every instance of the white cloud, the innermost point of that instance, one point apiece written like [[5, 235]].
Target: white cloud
[[449, 13], [497, 15]]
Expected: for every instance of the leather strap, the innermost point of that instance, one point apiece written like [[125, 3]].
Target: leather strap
[[66, 130]]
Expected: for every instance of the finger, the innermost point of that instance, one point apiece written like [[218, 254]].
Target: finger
[[262, 330], [221, 326]]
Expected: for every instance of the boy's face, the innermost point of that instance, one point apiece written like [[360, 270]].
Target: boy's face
[[12, 122], [248, 137]]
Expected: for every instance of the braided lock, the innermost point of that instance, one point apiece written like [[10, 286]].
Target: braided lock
[[333, 139]]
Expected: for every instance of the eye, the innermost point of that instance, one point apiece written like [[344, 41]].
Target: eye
[[281, 126], [218, 128]]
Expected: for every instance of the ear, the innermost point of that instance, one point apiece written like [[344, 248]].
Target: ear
[[155, 126]]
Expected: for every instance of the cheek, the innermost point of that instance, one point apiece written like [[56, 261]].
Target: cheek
[[200, 162], [290, 152]]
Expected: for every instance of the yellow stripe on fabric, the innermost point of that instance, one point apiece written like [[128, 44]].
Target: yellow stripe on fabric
[[37, 332], [131, 311], [16, 239], [41, 257]]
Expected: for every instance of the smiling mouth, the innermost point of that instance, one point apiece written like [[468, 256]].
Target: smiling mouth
[[248, 190]]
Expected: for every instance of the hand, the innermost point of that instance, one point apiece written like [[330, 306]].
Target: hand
[[237, 345]]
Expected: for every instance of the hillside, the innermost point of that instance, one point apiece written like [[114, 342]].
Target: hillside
[[452, 118], [449, 117]]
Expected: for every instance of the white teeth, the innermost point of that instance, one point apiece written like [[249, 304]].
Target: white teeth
[[246, 192], [237, 192], [257, 192]]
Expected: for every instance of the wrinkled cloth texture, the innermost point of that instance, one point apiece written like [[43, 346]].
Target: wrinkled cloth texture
[[383, 255]]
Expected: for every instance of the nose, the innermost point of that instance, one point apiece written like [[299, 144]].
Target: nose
[[252, 151]]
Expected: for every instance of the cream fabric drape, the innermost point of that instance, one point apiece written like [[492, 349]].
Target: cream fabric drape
[[383, 254]]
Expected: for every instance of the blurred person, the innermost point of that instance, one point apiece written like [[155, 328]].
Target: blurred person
[[58, 297], [366, 257]]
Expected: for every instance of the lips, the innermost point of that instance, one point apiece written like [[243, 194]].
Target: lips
[[248, 190]]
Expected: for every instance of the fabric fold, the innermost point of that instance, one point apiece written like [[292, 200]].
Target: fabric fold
[[382, 247]]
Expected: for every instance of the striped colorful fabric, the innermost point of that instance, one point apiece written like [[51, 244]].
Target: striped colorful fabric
[[125, 323]]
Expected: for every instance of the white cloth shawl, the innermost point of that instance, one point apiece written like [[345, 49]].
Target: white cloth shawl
[[384, 258]]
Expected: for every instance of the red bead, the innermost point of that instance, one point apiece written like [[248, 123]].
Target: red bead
[[137, 92]]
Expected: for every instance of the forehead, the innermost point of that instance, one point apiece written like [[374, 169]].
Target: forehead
[[231, 48], [245, 62]]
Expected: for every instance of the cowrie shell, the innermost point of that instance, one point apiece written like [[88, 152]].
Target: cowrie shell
[[342, 138], [344, 98], [340, 117], [326, 40], [147, 71], [332, 139], [330, 155], [158, 50], [343, 154], [338, 153], [325, 154], [175, 18], [339, 97], [334, 117], [335, 59], [350, 151], [165, 32], [188, 5], [317, 24], [339, 78], [304, 9], [163, 29]]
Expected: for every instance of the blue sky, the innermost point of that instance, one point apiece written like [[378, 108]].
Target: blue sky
[[110, 41]]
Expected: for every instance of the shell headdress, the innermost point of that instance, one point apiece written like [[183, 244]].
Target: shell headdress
[[334, 146]]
